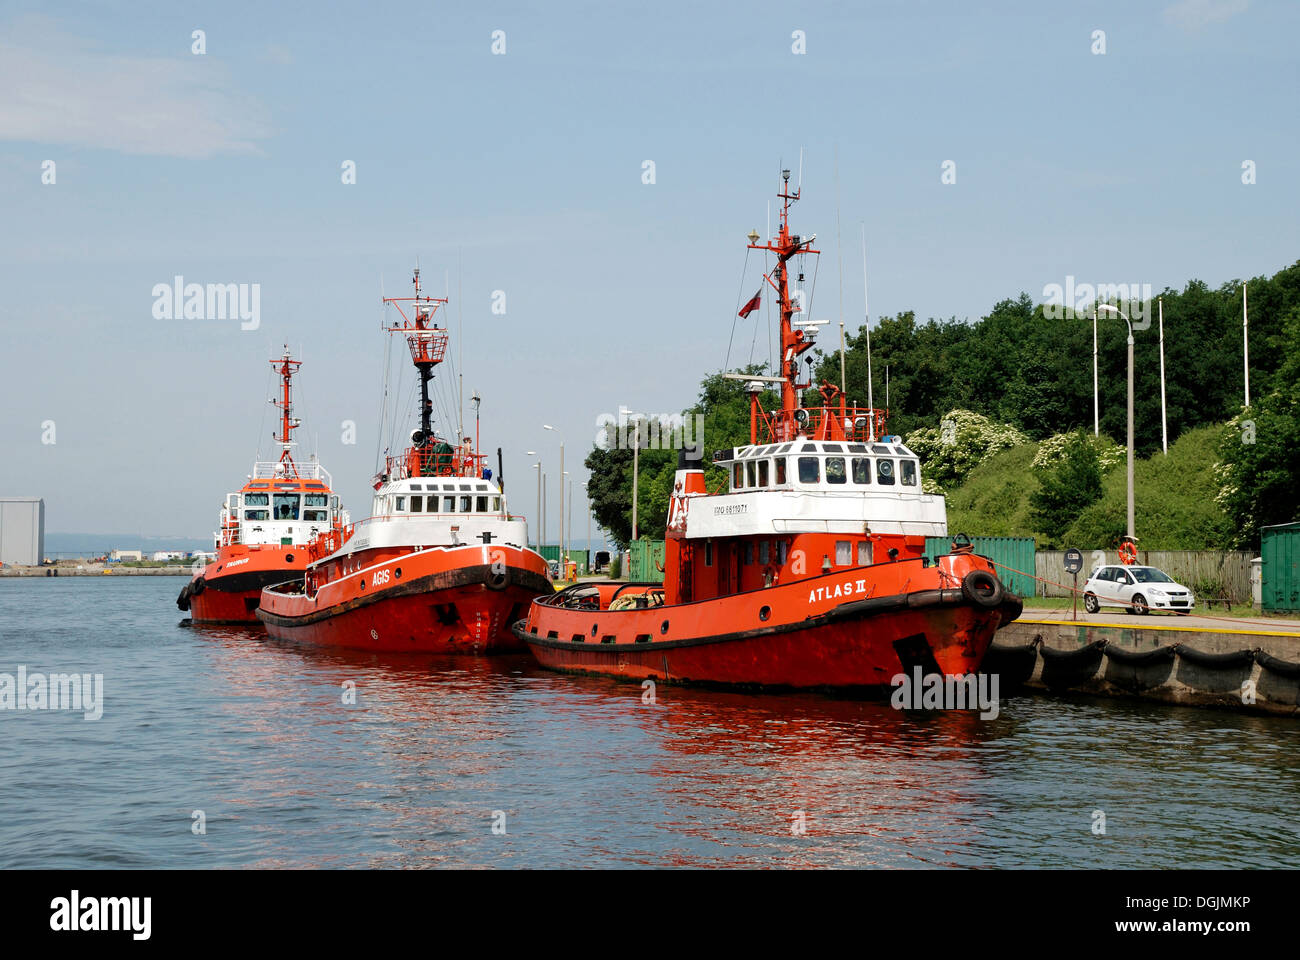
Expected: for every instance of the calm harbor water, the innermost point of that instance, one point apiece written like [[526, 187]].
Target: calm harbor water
[[434, 753]]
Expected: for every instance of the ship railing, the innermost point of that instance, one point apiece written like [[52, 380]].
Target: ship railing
[[277, 470], [323, 544], [425, 461], [427, 345], [839, 422]]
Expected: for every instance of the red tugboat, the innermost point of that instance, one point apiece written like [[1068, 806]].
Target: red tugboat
[[440, 567], [265, 527], [808, 572]]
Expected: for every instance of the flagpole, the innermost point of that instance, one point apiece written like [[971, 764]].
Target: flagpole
[[1245, 341], [1164, 425]]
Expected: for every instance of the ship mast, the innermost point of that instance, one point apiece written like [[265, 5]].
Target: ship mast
[[286, 368], [793, 342], [428, 346]]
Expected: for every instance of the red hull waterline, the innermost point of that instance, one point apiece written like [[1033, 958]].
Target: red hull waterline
[[451, 609], [412, 624], [222, 607], [856, 647]]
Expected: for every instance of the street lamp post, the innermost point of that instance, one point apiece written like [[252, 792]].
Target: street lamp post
[[1109, 309], [537, 520], [563, 557], [586, 495], [1096, 406]]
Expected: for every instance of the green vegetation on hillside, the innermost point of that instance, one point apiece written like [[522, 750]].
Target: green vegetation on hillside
[[1173, 500], [1018, 374]]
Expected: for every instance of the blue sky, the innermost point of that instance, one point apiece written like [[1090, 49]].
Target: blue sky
[[522, 172]]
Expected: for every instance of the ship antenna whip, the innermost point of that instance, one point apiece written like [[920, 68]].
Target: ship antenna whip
[[866, 322], [839, 249]]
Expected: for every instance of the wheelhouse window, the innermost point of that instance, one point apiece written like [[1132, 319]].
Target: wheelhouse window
[[481, 504], [496, 504], [809, 471], [780, 470], [285, 506], [257, 499], [764, 470], [861, 470], [256, 515], [751, 471], [737, 476], [843, 553], [417, 504], [315, 507], [864, 553], [399, 504], [907, 472], [885, 472], [835, 470], [466, 506], [448, 504]]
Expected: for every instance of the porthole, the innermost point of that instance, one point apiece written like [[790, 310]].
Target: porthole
[[397, 573], [363, 583], [288, 558], [593, 629], [663, 627], [764, 613]]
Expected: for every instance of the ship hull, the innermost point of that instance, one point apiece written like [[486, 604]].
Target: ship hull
[[855, 645], [433, 601], [228, 590]]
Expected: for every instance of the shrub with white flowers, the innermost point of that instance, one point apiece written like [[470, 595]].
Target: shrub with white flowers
[[1052, 451], [962, 441]]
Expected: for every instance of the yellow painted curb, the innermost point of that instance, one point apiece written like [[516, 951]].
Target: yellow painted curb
[[1125, 626]]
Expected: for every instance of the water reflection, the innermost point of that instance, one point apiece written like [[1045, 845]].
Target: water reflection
[[433, 752]]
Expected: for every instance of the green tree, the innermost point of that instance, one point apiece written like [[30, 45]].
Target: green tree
[[1066, 489], [1259, 454]]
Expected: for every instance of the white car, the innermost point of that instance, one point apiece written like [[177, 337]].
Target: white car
[[1140, 589]]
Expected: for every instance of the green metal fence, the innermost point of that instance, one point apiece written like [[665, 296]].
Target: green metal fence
[[1013, 557], [647, 558], [1280, 572]]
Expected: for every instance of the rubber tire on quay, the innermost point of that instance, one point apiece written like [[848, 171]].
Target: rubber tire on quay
[[981, 587]]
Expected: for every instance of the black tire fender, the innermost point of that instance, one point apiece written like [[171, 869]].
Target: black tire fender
[[981, 587], [198, 586], [497, 579]]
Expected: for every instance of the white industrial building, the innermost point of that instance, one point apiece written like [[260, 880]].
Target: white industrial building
[[22, 530]]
